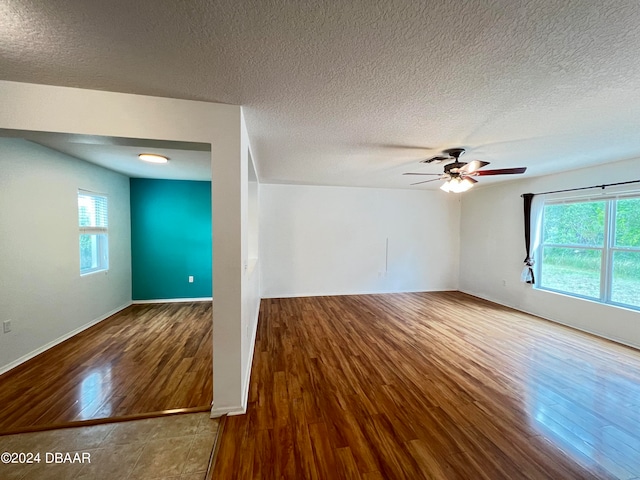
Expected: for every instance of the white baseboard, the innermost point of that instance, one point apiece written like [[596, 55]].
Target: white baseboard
[[229, 411], [554, 320], [342, 294], [61, 339], [173, 300]]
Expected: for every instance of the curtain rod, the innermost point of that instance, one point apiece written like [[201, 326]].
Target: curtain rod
[[603, 186]]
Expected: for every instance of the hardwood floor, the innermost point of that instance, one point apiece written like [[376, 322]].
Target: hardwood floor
[[147, 358], [431, 385]]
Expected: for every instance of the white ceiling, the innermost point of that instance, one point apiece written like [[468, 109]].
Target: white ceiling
[[357, 92]]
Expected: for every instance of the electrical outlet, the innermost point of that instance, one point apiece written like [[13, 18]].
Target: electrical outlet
[[6, 326], [190, 278]]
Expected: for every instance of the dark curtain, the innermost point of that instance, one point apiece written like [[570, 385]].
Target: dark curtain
[[528, 275]]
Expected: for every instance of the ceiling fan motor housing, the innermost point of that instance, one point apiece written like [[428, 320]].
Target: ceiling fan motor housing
[[447, 155], [436, 159], [453, 168], [454, 152]]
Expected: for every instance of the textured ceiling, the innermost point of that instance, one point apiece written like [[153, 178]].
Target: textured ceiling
[[187, 160], [356, 92]]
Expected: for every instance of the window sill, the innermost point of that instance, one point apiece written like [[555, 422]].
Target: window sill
[[93, 272], [631, 308]]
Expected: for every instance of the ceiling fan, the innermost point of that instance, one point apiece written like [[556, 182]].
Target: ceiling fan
[[459, 175]]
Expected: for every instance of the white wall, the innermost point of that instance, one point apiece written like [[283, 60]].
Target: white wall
[[250, 280], [90, 112], [253, 211], [332, 240], [492, 251], [41, 289]]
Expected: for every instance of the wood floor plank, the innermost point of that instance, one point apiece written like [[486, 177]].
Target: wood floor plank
[[147, 358], [431, 385], [346, 464], [431, 465]]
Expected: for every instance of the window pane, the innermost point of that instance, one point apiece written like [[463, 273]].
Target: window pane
[[572, 270], [88, 252], [92, 210], [625, 287], [628, 222], [93, 253], [574, 224]]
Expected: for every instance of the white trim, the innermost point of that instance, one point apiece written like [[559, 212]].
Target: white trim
[[343, 294], [607, 249], [242, 409], [231, 411], [173, 300], [61, 339], [597, 334]]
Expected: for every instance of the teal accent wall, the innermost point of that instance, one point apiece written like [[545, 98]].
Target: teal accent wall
[[170, 239]]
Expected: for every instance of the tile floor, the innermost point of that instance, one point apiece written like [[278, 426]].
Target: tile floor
[[174, 447]]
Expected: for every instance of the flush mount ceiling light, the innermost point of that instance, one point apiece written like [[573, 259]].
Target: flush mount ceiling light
[[153, 158]]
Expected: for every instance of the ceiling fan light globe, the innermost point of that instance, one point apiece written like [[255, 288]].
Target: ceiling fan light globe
[[457, 185], [465, 185]]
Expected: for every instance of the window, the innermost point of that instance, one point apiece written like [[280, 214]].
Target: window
[[93, 225], [591, 249]]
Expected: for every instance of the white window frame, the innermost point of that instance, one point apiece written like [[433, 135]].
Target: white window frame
[[607, 249], [100, 231]]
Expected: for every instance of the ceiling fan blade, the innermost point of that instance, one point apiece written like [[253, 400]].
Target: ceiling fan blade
[[473, 166], [404, 146], [438, 174], [437, 159], [427, 181], [500, 171]]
